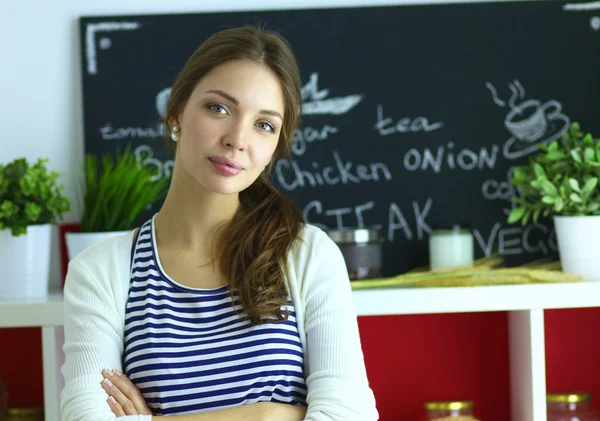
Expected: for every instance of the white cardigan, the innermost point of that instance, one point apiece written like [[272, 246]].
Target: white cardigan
[[95, 296]]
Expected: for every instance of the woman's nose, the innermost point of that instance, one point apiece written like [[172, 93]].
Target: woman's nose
[[235, 137]]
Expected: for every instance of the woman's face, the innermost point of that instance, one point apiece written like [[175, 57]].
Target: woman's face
[[234, 113]]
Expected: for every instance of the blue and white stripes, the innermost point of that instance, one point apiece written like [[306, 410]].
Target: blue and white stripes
[[190, 350]]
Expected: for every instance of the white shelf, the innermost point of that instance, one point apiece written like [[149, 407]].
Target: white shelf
[[46, 313], [526, 328], [391, 301], [381, 301], [41, 313]]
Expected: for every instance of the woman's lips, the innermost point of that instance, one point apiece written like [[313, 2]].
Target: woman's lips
[[226, 166]]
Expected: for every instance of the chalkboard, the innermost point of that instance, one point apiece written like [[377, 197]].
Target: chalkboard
[[414, 115]]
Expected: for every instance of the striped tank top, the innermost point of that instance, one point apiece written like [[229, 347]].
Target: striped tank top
[[188, 350]]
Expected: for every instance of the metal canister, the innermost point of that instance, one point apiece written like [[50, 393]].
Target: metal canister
[[361, 249]]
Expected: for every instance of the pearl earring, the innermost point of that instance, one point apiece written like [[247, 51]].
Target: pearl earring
[[173, 135]]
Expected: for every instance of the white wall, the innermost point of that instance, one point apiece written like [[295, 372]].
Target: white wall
[[40, 103]]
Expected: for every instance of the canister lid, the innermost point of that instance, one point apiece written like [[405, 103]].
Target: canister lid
[[354, 236], [568, 397], [455, 228], [24, 411], [448, 405]]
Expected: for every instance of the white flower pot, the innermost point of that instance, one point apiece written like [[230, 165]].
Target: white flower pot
[[25, 263], [79, 241], [579, 245]]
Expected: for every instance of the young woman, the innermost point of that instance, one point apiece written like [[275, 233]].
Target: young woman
[[225, 305]]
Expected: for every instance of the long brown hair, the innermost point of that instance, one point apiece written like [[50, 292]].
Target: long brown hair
[[252, 248]]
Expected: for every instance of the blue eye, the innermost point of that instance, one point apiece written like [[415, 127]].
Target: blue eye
[[218, 109], [267, 126]]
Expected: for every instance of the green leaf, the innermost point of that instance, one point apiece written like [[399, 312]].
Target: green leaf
[[589, 186], [575, 197], [562, 191], [555, 155], [526, 217], [574, 128], [576, 156], [515, 214], [8, 209], [574, 184], [588, 154], [33, 211], [548, 187], [549, 200], [559, 204], [520, 174], [592, 207], [539, 171]]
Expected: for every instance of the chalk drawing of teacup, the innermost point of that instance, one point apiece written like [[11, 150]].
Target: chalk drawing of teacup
[[528, 121], [532, 122]]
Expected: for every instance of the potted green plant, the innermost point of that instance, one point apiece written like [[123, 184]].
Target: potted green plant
[[562, 181], [31, 201], [115, 192]]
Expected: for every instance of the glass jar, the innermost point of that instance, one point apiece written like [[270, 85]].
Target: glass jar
[[448, 411], [571, 407], [361, 249], [450, 247]]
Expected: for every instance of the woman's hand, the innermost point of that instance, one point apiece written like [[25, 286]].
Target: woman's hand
[[124, 397]]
